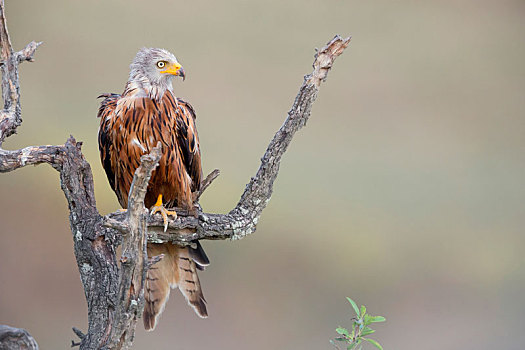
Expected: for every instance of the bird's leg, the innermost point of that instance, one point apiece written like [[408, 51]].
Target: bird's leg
[[158, 207]]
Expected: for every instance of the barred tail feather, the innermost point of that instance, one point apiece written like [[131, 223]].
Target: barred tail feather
[[159, 278], [176, 269], [189, 283]]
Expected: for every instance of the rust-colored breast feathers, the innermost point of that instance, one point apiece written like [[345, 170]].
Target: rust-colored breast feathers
[[131, 126]]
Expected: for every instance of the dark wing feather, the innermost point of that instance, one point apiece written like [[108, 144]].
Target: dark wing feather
[[120, 156], [188, 142], [107, 107]]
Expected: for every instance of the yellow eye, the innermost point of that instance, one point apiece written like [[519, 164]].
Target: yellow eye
[[161, 64]]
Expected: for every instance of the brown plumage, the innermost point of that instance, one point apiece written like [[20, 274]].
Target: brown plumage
[[132, 124]]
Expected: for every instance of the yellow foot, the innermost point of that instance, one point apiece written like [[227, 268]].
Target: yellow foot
[[123, 210], [159, 208]]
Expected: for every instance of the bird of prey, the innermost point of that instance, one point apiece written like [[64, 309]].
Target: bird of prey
[[131, 124]]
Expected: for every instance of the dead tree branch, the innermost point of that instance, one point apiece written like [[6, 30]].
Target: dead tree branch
[[133, 260], [113, 290], [11, 115], [16, 339]]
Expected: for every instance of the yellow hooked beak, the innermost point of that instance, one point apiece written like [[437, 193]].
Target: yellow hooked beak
[[174, 69]]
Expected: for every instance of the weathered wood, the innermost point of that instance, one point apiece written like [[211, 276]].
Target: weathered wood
[[16, 339], [113, 290], [134, 262]]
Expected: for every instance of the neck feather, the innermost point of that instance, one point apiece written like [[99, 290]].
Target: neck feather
[[139, 85]]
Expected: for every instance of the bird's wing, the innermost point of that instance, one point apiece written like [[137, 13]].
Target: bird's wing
[[188, 142], [106, 113], [126, 133]]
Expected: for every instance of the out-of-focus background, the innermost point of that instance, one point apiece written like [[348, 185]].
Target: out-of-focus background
[[405, 190]]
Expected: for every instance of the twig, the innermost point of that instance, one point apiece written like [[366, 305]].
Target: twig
[[153, 260], [78, 333], [28, 52], [205, 184]]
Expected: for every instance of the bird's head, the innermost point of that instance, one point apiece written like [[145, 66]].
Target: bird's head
[[156, 66]]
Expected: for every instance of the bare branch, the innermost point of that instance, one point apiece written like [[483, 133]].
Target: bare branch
[[10, 116], [205, 184], [32, 155], [16, 339], [5, 43], [28, 52], [154, 259], [78, 333], [134, 261], [122, 227]]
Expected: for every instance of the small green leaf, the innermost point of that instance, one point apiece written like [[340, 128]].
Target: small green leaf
[[351, 346], [366, 319], [374, 343], [363, 310], [341, 339], [377, 319], [342, 331], [354, 305], [367, 331]]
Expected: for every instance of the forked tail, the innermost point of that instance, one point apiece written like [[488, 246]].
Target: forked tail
[[178, 268]]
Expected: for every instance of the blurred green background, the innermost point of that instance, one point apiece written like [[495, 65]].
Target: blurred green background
[[405, 190]]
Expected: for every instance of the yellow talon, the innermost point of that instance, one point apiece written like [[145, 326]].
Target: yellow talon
[[159, 208]]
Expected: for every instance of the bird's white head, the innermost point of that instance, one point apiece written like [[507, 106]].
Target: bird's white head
[[154, 68]]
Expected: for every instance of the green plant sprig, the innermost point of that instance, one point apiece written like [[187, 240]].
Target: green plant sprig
[[360, 329]]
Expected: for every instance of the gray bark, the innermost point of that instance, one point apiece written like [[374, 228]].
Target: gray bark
[[16, 339]]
